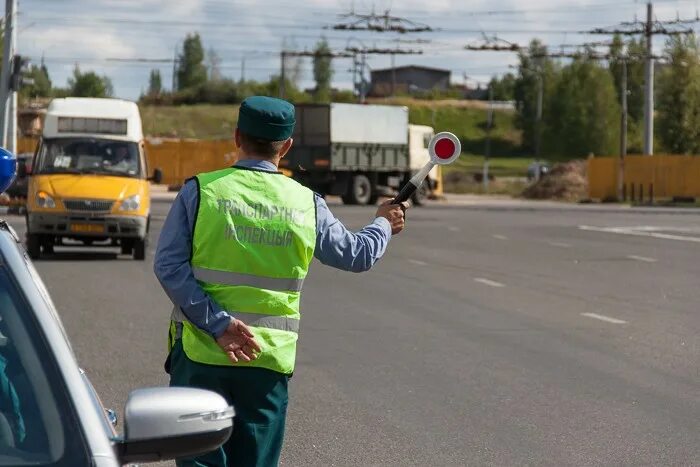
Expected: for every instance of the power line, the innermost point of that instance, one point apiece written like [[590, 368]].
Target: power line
[[377, 51], [554, 10], [493, 43], [379, 23]]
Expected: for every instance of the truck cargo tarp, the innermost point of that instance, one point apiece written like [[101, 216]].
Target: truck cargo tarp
[[389, 124]]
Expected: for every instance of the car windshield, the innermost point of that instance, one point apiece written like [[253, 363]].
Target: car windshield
[[37, 423], [89, 155]]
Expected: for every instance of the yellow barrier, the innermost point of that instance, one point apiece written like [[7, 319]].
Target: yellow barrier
[[645, 177], [181, 159], [438, 190], [602, 177], [26, 144]]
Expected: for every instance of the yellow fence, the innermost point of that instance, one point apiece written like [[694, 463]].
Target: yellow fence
[[26, 145], [645, 177], [602, 177], [181, 159]]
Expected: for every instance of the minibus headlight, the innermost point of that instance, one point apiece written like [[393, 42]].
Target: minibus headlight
[[132, 203], [44, 200]]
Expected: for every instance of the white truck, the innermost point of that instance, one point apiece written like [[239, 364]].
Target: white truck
[[358, 152]]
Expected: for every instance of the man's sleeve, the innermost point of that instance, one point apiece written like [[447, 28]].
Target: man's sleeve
[[337, 247], [174, 271]]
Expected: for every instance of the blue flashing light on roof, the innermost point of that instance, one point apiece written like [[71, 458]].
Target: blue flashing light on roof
[[8, 169]]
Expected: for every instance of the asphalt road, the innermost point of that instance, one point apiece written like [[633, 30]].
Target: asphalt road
[[499, 336]]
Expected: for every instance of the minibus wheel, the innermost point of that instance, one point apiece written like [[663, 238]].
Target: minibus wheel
[[34, 245], [140, 249]]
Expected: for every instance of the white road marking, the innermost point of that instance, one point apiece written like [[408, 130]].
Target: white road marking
[[646, 231], [500, 237], [488, 282], [453, 229], [419, 263], [607, 319], [643, 259], [656, 228], [560, 244]]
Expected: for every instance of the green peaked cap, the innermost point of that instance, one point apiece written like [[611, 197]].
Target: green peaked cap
[[266, 118]]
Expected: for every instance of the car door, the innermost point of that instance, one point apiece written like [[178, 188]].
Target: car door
[[46, 413]]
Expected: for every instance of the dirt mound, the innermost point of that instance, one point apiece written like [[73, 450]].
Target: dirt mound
[[565, 182]]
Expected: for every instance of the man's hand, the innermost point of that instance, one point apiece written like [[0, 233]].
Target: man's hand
[[238, 342], [394, 213]]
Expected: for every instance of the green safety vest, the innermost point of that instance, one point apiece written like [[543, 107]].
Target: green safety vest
[[253, 241]]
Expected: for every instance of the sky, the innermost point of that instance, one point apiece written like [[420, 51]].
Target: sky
[[126, 39]]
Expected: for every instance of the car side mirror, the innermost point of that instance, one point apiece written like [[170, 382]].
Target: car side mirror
[[171, 423], [157, 176]]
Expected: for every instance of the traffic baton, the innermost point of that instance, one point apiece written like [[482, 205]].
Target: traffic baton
[[444, 148]]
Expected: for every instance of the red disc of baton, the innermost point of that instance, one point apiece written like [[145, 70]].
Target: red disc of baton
[[444, 148]]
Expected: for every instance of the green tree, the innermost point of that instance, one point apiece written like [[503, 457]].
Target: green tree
[[271, 88], [61, 92], [503, 88], [582, 115], [191, 71], [89, 84], [155, 83], [42, 83], [535, 70], [323, 71], [678, 102]]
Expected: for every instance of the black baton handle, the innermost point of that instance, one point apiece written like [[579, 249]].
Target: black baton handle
[[405, 193]]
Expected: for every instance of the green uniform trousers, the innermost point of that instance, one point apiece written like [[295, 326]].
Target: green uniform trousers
[[259, 397]]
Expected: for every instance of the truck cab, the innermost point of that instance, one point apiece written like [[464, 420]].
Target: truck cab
[[89, 182], [419, 137]]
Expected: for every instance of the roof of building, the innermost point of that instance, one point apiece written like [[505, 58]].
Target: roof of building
[[417, 67]]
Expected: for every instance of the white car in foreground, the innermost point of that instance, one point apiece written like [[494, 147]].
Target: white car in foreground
[[49, 412]]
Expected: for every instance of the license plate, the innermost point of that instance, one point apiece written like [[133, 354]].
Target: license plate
[[87, 228]]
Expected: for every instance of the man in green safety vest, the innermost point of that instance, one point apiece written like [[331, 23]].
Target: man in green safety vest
[[232, 256]]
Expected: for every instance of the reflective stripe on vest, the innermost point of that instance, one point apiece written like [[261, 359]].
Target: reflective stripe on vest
[[251, 319], [252, 244], [234, 278]]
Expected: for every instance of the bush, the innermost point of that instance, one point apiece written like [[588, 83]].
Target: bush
[[347, 97]]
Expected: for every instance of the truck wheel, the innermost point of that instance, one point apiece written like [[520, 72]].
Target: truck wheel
[[140, 249], [361, 190], [421, 195], [34, 246]]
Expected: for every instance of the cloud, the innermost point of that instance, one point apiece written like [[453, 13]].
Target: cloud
[[83, 41], [256, 29]]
